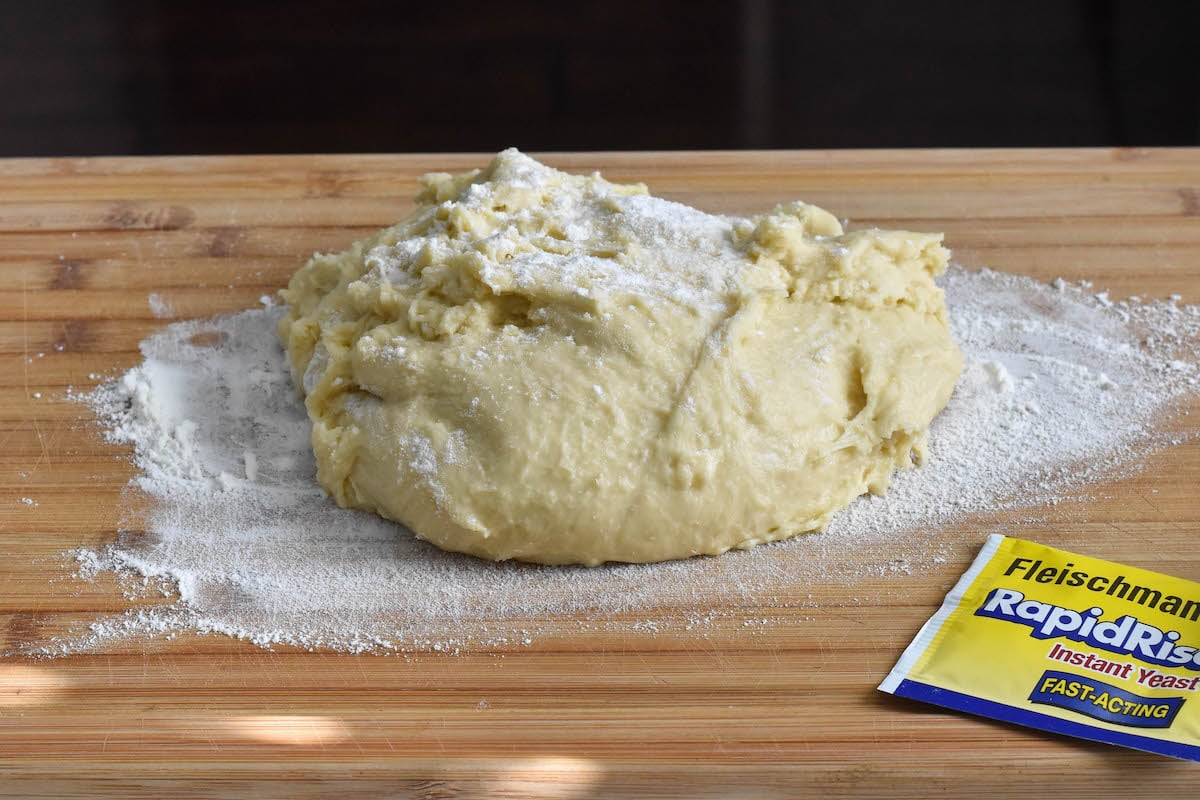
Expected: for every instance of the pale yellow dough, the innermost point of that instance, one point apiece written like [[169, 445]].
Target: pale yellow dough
[[555, 368]]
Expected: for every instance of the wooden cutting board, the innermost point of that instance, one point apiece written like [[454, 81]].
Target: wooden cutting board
[[788, 711]]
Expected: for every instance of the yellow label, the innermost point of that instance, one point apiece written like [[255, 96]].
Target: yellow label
[[1067, 643]]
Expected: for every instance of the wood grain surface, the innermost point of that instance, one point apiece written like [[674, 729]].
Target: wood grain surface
[[788, 711]]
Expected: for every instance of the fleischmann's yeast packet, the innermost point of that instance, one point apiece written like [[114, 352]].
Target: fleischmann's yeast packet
[[1065, 643]]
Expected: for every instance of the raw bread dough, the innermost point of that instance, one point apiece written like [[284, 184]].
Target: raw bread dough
[[555, 368]]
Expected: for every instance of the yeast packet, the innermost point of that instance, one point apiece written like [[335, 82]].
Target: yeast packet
[[1066, 643]]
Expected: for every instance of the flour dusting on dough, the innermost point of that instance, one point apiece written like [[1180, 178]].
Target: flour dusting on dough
[[621, 377]]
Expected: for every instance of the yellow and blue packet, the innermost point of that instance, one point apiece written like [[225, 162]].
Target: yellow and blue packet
[[1065, 643]]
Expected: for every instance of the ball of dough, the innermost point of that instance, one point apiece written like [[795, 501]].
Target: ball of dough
[[555, 368]]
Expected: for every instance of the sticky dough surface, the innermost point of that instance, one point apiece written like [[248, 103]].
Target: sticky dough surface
[[555, 368]]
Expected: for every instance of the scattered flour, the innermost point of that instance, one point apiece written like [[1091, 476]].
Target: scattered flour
[[1061, 388], [160, 307]]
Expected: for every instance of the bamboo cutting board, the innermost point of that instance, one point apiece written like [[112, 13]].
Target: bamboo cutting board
[[789, 711]]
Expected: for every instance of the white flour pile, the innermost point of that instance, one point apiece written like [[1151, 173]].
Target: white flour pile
[[1060, 388]]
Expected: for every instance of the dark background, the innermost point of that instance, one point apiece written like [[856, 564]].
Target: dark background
[[152, 76]]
